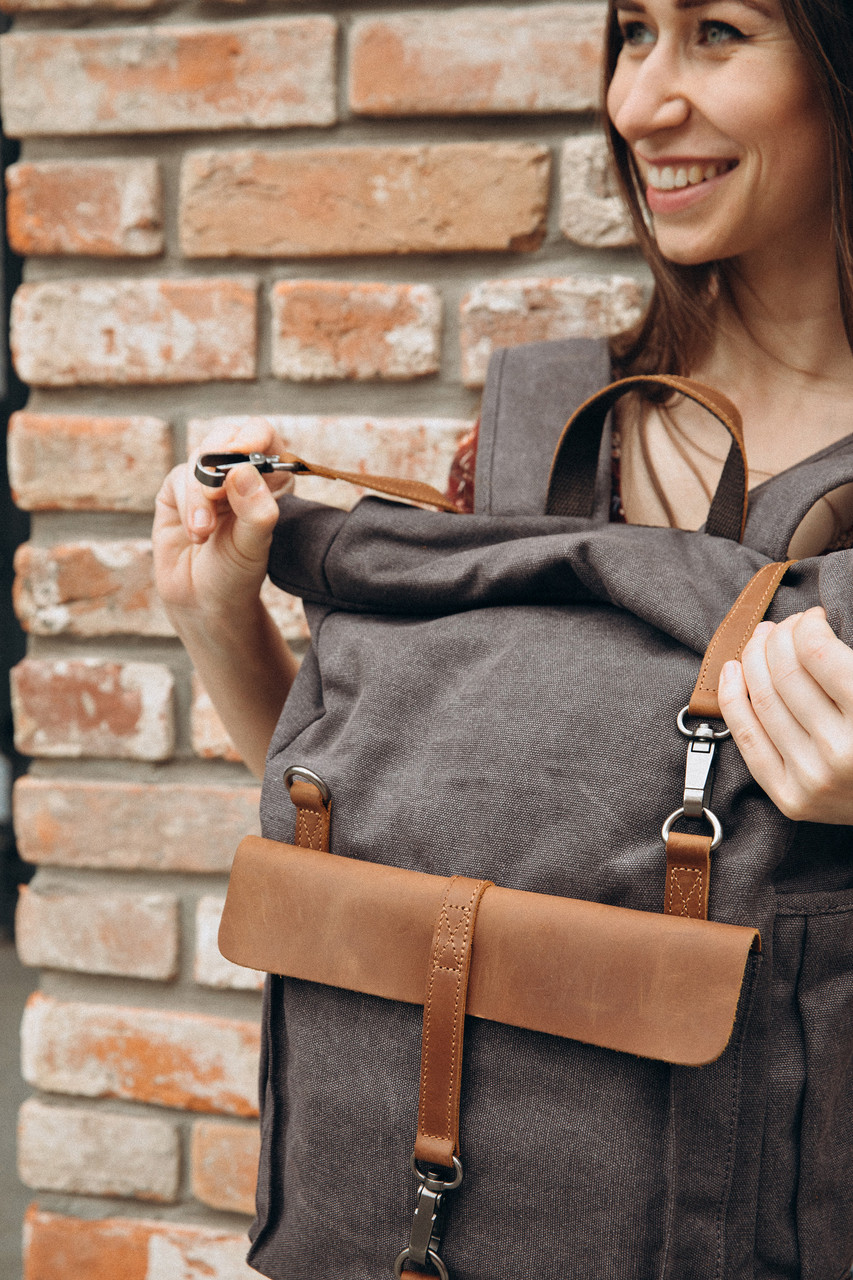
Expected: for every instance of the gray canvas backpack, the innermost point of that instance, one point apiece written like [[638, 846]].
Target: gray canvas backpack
[[496, 697]]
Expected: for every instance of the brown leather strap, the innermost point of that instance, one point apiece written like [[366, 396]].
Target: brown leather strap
[[313, 817], [411, 490], [444, 1022], [688, 874], [571, 486], [730, 638]]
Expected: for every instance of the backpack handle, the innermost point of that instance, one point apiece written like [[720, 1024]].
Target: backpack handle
[[571, 484]]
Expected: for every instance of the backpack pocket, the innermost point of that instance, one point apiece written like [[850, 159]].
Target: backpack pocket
[[805, 1224]]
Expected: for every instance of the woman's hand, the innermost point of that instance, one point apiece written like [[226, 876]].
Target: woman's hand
[[789, 705], [210, 560], [211, 545]]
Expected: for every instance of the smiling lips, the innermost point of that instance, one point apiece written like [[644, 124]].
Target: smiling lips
[[676, 177]]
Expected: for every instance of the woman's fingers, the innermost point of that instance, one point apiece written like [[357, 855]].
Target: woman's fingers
[[204, 502], [255, 514], [760, 753], [789, 705], [828, 660], [776, 718]]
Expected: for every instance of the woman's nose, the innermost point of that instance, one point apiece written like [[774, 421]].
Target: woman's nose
[[647, 96]]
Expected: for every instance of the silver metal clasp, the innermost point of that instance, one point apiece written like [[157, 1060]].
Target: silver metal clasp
[[212, 468], [428, 1221], [698, 777]]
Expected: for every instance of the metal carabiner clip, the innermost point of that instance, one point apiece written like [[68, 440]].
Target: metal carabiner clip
[[212, 468]]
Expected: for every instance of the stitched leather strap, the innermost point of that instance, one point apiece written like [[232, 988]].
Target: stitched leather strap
[[571, 486], [444, 1022], [731, 637], [411, 490], [313, 817], [688, 874]]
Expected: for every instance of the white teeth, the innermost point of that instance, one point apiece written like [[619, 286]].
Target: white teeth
[[670, 179]]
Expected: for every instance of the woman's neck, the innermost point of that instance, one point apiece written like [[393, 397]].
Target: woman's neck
[[783, 355]]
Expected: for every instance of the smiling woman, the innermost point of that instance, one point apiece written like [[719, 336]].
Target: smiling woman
[[731, 124]]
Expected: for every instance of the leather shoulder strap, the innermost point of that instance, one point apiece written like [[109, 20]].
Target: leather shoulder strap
[[731, 637], [571, 484]]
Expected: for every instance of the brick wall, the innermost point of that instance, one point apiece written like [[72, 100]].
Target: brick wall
[[322, 213]]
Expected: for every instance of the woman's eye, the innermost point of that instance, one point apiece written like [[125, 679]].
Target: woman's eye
[[637, 34], [719, 33]]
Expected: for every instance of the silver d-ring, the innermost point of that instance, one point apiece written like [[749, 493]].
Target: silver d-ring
[[294, 771], [717, 734], [433, 1257], [437, 1183], [709, 817]]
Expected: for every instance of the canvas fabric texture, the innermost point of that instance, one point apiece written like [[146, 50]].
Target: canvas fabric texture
[[495, 696]]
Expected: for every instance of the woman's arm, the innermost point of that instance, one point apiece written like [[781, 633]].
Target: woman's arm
[[210, 561], [789, 705]]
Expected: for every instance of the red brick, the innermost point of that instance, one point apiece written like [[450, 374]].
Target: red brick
[[183, 1060], [85, 707], [260, 74], [478, 61], [57, 1247], [97, 207], [134, 935], [341, 201], [592, 211], [134, 332], [75, 462], [413, 448], [52, 6], [504, 313], [125, 826], [209, 737], [88, 589], [211, 969], [224, 1164], [324, 329], [88, 1151]]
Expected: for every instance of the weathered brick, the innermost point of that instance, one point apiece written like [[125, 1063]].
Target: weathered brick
[[211, 969], [82, 463], [504, 313], [57, 1247], [52, 6], [340, 201], [592, 212], [324, 329], [134, 935], [208, 734], [133, 826], [83, 1151], [258, 74], [88, 589], [182, 1060], [134, 332], [478, 60], [412, 448], [85, 707], [97, 207], [224, 1164]]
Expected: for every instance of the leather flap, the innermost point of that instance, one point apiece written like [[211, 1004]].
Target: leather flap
[[657, 986]]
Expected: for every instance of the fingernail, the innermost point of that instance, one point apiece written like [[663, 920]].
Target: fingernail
[[728, 673], [246, 480], [201, 519]]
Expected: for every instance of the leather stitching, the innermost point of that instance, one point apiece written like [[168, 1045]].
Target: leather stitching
[[698, 888], [441, 944]]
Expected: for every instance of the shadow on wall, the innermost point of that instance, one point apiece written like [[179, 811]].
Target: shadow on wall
[[14, 529]]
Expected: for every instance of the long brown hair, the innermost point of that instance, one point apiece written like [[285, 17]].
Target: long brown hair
[[678, 325]]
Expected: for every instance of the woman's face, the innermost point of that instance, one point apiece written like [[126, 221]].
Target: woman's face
[[716, 102]]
